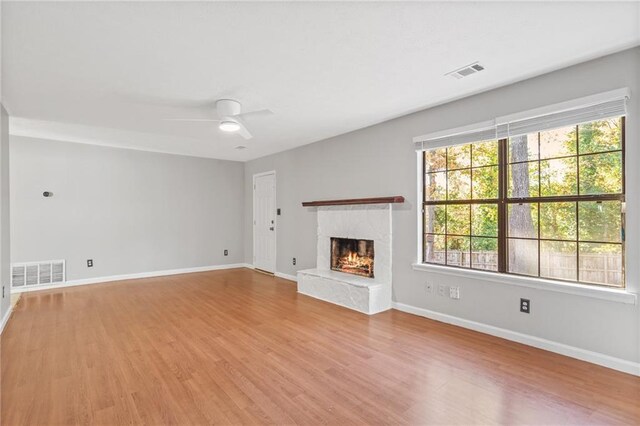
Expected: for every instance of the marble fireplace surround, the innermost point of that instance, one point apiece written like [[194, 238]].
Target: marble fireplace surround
[[356, 221]]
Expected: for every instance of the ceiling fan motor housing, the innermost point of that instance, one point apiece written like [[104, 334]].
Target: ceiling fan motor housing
[[228, 108]]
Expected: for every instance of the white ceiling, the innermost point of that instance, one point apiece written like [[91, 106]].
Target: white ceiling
[[108, 73]]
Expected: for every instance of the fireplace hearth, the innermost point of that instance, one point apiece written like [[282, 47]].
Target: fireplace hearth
[[352, 256]]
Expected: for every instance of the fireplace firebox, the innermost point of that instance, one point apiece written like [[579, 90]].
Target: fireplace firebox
[[352, 256]]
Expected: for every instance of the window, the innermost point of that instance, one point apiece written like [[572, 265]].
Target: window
[[547, 204]]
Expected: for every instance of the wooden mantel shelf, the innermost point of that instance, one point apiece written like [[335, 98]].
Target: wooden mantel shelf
[[351, 201]]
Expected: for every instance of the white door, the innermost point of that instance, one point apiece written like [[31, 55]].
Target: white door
[[264, 221]]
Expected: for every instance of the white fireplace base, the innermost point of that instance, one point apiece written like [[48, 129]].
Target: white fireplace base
[[351, 291], [360, 221]]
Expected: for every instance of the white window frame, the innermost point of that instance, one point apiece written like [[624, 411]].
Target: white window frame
[[605, 293]]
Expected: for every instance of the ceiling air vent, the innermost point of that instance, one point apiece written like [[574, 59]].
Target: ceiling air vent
[[466, 71], [48, 272]]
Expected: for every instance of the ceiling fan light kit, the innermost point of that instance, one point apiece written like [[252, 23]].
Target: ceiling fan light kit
[[229, 126]]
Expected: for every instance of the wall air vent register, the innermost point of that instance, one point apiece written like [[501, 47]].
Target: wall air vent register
[[33, 274]]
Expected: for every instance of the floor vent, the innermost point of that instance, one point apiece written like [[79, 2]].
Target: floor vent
[[48, 272]]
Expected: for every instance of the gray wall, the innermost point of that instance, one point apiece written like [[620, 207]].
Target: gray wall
[[380, 160], [5, 245], [129, 211]]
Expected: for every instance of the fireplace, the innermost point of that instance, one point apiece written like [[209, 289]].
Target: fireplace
[[355, 229], [352, 256]]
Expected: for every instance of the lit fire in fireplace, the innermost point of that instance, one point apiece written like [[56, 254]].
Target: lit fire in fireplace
[[352, 256], [354, 264]]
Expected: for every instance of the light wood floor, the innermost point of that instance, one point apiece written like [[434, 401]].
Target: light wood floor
[[240, 347]]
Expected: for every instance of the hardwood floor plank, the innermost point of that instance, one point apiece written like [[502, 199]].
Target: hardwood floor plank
[[238, 347]]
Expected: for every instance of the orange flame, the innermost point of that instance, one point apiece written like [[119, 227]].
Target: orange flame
[[354, 260]]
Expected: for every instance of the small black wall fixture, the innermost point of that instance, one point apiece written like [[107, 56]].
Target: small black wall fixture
[[47, 194]]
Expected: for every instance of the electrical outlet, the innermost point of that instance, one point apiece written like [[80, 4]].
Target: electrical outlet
[[89, 263], [279, 212], [294, 260], [454, 292], [226, 252], [428, 287], [525, 306], [442, 290]]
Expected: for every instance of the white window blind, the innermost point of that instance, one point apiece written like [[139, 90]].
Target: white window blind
[[556, 120], [474, 133], [583, 110], [459, 139]]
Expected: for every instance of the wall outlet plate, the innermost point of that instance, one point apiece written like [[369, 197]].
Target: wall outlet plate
[[454, 292], [226, 252], [89, 263], [525, 306]]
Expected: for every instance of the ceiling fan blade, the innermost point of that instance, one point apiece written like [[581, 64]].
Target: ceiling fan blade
[[159, 101], [244, 132], [189, 119], [258, 113]]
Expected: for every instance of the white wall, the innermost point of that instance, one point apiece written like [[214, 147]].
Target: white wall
[[129, 211], [5, 254], [380, 160]]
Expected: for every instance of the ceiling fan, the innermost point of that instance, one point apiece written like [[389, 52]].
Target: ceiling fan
[[230, 117]]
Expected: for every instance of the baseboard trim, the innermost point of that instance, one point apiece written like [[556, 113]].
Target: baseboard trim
[[111, 278], [277, 274], [537, 342], [5, 318], [286, 276]]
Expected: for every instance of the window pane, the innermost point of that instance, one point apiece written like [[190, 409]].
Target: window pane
[[552, 238], [558, 221], [523, 220], [598, 136], [434, 219], [485, 153], [558, 260], [523, 256], [601, 263], [435, 186], [523, 148], [523, 180], [458, 251], [484, 220], [485, 183], [459, 185], [601, 173], [459, 157], [435, 160], [434, 248], [558, 177], [484, 253], [458, 219], [600, 221], [558, 142]]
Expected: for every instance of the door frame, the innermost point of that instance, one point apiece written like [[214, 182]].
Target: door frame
[[275, 210]]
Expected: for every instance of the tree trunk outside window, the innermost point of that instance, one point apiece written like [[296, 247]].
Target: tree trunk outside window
[[521, 258]]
